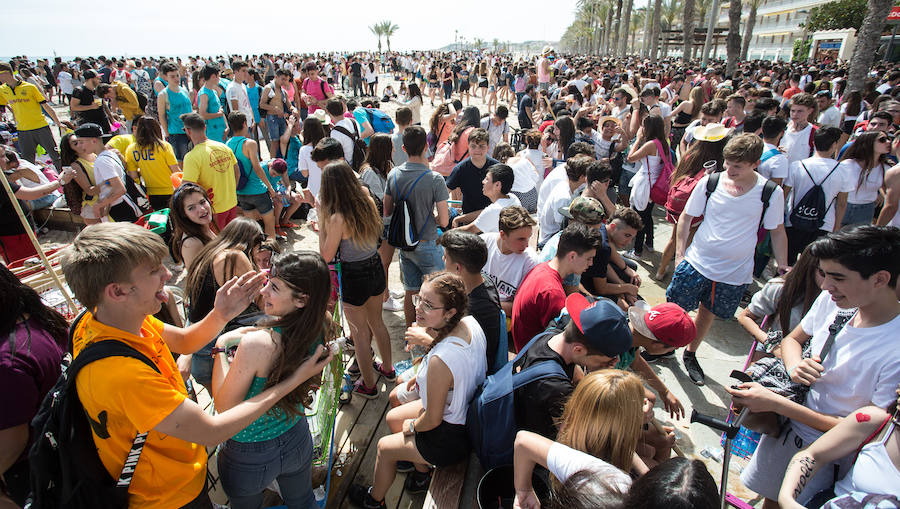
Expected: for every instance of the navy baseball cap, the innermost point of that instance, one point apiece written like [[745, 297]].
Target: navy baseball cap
[[602, 322], [89, 130]]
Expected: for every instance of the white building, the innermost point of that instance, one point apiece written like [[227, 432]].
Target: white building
[[777, 27]]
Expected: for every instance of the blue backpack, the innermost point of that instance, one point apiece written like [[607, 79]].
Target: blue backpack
[[381, 121], [491, 419]]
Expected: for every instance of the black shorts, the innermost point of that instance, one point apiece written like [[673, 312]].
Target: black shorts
[[445, 445], [362, 280], [463, 86]]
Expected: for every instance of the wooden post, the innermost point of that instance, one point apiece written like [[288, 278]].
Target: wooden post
[[35, 243]]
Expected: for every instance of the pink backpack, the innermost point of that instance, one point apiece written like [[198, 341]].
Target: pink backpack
[[445, 158], [659, 192]]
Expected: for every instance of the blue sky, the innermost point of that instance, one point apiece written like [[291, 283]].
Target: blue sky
[[166, 27]]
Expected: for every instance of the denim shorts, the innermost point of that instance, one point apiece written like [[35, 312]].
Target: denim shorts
[[247, 468], [181, 145], [276, 126], [690, 288], [261, 202], [362, 280], [428, 257], [859, 213]]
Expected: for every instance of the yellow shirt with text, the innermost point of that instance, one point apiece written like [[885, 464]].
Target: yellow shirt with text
[[25, 102], [211, 165], [154, 164]]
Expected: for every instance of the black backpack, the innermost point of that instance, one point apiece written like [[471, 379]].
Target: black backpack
[[402, 231], [809, 213], [65, 468], [713, 181], [359, 146], [491, 418]]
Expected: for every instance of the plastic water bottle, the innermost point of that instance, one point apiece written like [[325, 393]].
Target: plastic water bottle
[[710, 167], [401, 366]]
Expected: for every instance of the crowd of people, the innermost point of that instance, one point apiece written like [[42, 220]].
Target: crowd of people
[[521, 242]]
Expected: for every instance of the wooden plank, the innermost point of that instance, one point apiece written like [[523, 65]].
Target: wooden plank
[[365, 469], [446, 487], [362, 437], [474, 473]]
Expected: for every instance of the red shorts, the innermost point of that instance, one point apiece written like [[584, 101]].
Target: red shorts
[[223, 218], [16, 247]]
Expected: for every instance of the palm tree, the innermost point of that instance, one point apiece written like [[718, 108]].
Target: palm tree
[[867, 42], [733, 42], [614, 46], [748, 29], [496, 43], [687, 29], [657, 25], [648, 17], [388, 28], [636, 21], [626, 22], [713, 21], [607, 27], [670, 11], [378, 30], [478, 43]]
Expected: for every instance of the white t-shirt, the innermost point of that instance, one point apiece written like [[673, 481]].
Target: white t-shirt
[[107, 167], [883, 88], [563, 462], [830, 117], [346, 142], [314, 173], [495, 132], [775, 166], [868, 191], [536, 157], [800, 183], [65, 82], [506, 271], [525, 175], [238, 92], [555, 176], [862, 369], [549, 218], [489, 219], [723, 247], [796, 143]]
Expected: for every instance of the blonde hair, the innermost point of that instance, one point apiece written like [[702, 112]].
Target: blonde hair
[[604, 416], [696, 97], [107, 253]]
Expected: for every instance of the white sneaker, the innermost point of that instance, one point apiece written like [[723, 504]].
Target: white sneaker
[[392, 304]]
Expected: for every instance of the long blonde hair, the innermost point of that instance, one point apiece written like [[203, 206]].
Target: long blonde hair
[[604, 416], [341, 193], [696, 98]]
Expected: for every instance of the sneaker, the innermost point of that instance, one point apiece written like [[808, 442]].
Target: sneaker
[[417, 482], [390, 376], [693, 368], [650, 357], [634, 255], [367, 392], [353, 369], [361, 496], [392, 304], [405, 466]]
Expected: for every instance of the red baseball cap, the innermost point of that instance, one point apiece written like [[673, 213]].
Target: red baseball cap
[[666, 322]]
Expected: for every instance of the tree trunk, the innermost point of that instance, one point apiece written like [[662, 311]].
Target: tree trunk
[[634, 42], [614, 46], [748, 29], [867, 42], [607, 30], [657, 25], [713, 21], [388, 44], [648, 18], [733, 43], [626, 22], [687, 30], [379, 45]]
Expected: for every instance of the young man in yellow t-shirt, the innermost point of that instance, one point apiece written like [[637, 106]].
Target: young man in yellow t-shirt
[[116, 271], [27, 102], [212, 165]]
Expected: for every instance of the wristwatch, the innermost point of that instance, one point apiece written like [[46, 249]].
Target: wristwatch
[[412, 426]]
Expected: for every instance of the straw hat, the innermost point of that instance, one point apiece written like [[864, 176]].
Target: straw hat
[[547, 50], [712, 132], [321, 116], [608, 118], [630, 90]]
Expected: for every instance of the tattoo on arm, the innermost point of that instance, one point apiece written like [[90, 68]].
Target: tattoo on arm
[[807, 464]]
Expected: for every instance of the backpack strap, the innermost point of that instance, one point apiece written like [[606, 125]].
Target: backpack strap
[[541, 370], [711, 183], [768, 189], [772, 152], [102, 350], [405, 196]]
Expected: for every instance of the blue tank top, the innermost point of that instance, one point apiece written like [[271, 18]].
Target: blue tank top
[[254, 184], [253, 95], [179, 103], [215, 127], [293, 154]]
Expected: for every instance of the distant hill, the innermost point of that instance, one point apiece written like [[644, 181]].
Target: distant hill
[[514, 47]]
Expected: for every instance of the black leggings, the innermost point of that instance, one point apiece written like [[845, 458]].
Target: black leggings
[[645, 235]]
